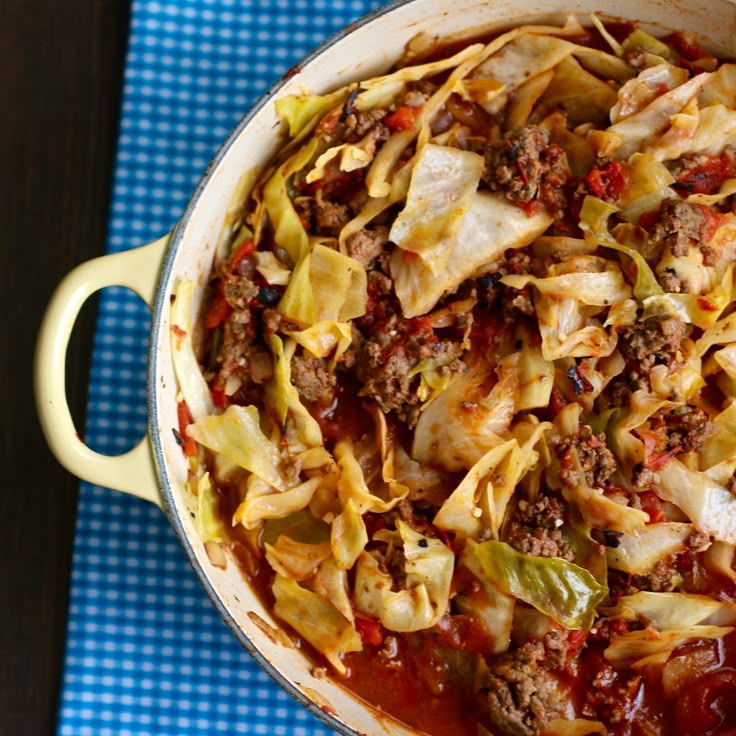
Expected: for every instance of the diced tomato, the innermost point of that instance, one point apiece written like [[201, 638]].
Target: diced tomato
[[607, 183], [246, 249], [403, 118], [713, 220], [576, 639], [219, 397], [708, 176], [649, 219], [652, 505], [219, 310], [370, 630], [185, 419], [686, 45], [707, 306], [464, 632]]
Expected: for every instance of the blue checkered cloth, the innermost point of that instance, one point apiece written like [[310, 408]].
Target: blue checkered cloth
[[146, 651]]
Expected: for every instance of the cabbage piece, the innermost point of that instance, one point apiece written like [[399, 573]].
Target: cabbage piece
[[679, 136], [640, 40], [352, 486], [289, 233], [318, 621], [189, 376], [649, 122], [210, 525], [634, 647], [237, 434], [667, 611], [721, 333], [522, 57], [331, 584], [701, 311], [536, 374], [602, 512], [284, 398], [494, 607], [637, 93], [491, 226], [594, 224], [348, 536], [721, 88], [685, 382], [568, 329], [727, 189], [627, 447], [596, 289], [454, 434], [716, 126], [460, 513], [560, 589], [274, 505], [509, 472], [324, 337], [301, 526], [574, 727], [708, 505], [719, 558], [378, 180], [720, 445], [584, 97], [527, 95], [639, 553], [580, 154], [275, 273], [429, 566], [325, 285], [443, 184], [647, 185], [423, 481], [300, 112], [296, 560]]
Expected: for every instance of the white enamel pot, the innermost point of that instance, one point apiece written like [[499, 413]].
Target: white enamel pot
[[156, 469]]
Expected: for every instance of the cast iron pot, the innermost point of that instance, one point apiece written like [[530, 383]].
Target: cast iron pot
[[156, 468]]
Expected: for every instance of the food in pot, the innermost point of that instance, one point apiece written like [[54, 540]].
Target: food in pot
[[461, 398]]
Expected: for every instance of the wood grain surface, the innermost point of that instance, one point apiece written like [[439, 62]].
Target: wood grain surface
[[60, 81]]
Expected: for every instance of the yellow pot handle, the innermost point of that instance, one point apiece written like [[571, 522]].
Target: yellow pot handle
[[133, 472]]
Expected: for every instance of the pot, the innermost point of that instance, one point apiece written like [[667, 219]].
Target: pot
[[156, 468]]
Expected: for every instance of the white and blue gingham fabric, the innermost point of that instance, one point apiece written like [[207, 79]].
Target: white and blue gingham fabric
[[147, 654]]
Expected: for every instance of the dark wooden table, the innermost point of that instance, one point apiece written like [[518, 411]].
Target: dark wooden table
[[61, 81]]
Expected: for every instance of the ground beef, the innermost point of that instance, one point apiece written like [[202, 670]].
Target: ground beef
[[359, 123], [536, 529], [527, 167], [330, 217], [523, 694], [367, 244], [388, 356], [652, 341], [239, 292], [596, 460], [611, 695], [314, 381], [671, 282], [683, 429], [680, 224]]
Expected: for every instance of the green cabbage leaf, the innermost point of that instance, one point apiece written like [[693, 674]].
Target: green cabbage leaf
[[317, 620], [560, 589]]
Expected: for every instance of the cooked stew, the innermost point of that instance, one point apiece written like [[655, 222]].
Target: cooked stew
[[461, 398]]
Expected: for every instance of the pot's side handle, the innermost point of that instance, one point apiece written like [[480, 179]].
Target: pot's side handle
[[133, 472]]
